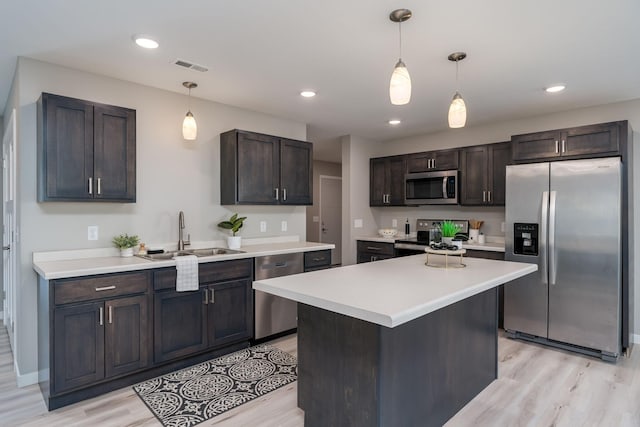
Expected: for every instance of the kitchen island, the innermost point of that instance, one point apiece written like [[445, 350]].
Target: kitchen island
[[395, 342]]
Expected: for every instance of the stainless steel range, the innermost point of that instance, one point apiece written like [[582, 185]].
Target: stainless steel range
[[427, 232]]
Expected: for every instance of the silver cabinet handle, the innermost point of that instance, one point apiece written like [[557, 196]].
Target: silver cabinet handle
[[373, 248], [284, 194], [206, 297], [489, 196], [99, 188], [374, 258], [106, 288], [544, 221], [213, 296], [563, 150], [90, 185], [110, 314], [277, 194], [281, 264], [556, 145], [484, 196], [552, 238], [434, 163], [101, 311]]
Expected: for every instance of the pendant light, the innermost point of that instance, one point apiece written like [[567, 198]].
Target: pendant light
[[400, 85], [457, 109], [189, 126]]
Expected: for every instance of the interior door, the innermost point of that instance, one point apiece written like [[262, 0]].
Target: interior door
[[585, 262], [331, 215], [526, 298], [9, 227]]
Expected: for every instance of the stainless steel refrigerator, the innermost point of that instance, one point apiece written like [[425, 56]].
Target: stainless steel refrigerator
[[566, 217]]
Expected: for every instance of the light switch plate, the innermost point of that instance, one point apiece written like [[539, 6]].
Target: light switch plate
[[316, 218], [283, 226], [394, 223], [357, 223], [263, 226], [92, 232]]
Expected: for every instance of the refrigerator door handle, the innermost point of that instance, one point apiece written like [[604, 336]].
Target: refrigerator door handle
[[544, 220], [552, 238]]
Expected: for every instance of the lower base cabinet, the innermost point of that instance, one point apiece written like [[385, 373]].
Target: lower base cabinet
[[472, 253], [369, 251]]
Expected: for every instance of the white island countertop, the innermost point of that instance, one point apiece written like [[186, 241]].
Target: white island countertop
[[394, 291]]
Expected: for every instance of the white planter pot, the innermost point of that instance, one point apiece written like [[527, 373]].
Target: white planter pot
[[448, 240], [126, 252], [234, 242]]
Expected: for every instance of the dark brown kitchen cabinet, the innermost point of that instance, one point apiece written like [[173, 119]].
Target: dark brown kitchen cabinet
[[219, 313], [86, 151], [580, 142], [258, 169], [99, 331], [483, 174], [368, 251], [386, 181], [432, 161], [317, 260]]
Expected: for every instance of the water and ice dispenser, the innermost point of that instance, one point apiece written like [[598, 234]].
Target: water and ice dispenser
[[525, 239]]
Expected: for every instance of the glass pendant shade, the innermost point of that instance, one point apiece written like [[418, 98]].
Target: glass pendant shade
[[457, 112], [400, 85], [189, 127]]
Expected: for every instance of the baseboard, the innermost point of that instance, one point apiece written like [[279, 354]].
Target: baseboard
[[24, 380]]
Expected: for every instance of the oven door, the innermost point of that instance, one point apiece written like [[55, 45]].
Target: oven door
[[432, 188]]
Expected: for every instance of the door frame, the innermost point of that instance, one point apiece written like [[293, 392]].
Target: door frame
[[9, 266], [320, 178]]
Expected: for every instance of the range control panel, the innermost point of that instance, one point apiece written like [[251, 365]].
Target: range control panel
[[525, 239]]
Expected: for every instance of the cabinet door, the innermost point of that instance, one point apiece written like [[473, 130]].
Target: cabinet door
[[296, 172], [179, 323], [446, 160], [230, 312], [114, 153], [258, 174], [127, 335], [65, 145], [433, 160], [396, 169], [377, 189], [534, 146], [499, 158], [594, 139], [78, 345], [473, 177]]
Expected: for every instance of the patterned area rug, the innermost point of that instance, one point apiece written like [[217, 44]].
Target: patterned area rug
[[195, 394]]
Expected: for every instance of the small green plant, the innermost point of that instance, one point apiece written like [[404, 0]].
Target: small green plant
[[234, 223], [449, 229], [125, 241]]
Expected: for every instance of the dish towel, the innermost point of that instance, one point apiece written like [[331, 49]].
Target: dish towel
[[187, 269]]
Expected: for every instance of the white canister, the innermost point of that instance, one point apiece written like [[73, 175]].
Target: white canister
[[473, 235], [481, 239]]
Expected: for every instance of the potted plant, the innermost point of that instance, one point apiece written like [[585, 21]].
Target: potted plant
[[234, 224], [449, 229], [125, 243]]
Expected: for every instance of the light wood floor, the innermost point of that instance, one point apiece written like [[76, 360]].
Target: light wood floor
[[537, 386]]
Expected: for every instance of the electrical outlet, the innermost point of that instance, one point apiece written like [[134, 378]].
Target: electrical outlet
[[92, 232], [502, 228], [357, 223], [316, 218], [283, 225], [263, 226], [394, 223]]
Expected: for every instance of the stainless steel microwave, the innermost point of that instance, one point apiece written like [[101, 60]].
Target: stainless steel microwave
[[432, 188]]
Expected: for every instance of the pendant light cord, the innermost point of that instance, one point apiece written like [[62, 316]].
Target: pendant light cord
[[189, 102], [457, 86], [400, 38]]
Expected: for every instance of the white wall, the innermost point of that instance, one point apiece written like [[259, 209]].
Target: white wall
[[172, 175], [319, 168]]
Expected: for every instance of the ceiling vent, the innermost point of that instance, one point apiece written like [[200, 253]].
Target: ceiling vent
[[190, 65]]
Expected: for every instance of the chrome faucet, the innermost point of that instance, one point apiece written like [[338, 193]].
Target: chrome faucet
[[181, 242]]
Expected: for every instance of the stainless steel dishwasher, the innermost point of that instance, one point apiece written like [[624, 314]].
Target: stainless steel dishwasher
[[274, 314]]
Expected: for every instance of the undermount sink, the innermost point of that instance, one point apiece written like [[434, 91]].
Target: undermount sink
[[197, 252]]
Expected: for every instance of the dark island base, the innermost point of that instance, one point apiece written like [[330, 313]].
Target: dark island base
[[356, 373]]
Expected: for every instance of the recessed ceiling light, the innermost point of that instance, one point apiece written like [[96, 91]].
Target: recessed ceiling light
[[145, 41], [555, 88], [394, 122], [308, 93]]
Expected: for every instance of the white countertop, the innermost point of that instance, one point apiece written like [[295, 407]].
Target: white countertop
[[50, 265], [393, 291]]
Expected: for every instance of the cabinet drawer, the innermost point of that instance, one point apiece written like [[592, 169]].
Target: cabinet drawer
[[376, 247], [84, 289], [317, 259], [475, 253], [207, 273]]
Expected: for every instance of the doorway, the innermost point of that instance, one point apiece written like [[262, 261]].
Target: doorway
[[9, 226], [331, 215]]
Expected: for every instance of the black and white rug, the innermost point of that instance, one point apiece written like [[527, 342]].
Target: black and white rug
[[195, 394]]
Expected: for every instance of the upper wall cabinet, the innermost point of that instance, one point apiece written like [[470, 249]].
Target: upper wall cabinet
[[86, 151], [483, 174], [257, 169], [386, 181], [585, 141], [432, 161]]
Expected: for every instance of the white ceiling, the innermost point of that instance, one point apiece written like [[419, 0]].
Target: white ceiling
[[260, 54]]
